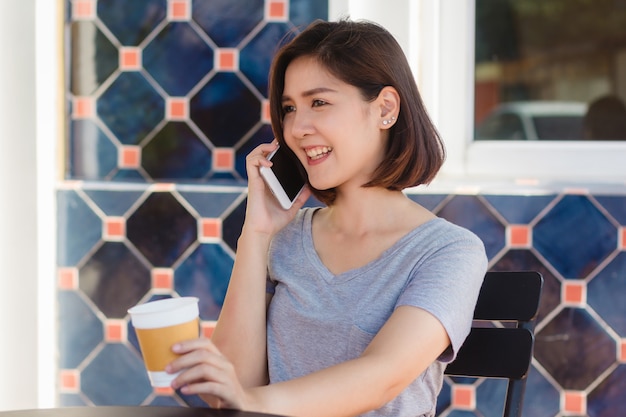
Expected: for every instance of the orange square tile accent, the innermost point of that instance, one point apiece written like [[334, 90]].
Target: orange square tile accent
[[162, 187], [130, 157], [227, 59], [622, 351], [574, 403], [277, 10], [519, 236], [177, 108], [211, 228], [69, 380], [622, 238], [162, 278], [576, 190], [223, 159], [206, 329], [114, 228], [115, 331], [178, 10], [163, 390], [464, 397], [574, 292], [130, 59], [67, 278], [265, 112], [83, 9], [83, 108]]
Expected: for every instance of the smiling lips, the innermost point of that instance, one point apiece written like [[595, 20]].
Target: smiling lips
[[318, 152]]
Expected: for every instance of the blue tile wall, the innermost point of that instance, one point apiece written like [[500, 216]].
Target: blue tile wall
[[122, 225]]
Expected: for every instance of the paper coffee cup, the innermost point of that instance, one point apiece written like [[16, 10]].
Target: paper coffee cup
[[159, 325]]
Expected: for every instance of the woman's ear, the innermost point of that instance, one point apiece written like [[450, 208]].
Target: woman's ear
[[389, 102]]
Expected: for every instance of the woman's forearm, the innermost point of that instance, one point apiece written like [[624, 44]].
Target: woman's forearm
[[240, 333], [347, 389], [408, 343]]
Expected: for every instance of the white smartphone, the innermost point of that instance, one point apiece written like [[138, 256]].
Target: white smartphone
[[283, 177]]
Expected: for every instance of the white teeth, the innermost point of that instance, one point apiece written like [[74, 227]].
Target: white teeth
[[316, 153]]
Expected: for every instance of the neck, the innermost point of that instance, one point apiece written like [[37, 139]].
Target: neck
[[366, 211]]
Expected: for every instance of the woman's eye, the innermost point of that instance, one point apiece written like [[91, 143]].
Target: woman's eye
[[317, 103], [289, 109]]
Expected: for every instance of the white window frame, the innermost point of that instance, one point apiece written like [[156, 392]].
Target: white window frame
[[438, 38], [450, 55]]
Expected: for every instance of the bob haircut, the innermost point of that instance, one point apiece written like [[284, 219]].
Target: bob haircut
[[366, 56]]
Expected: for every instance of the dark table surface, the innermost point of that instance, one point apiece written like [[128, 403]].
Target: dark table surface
[[131, 411]]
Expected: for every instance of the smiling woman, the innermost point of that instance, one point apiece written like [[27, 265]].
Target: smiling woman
[[354, 308]]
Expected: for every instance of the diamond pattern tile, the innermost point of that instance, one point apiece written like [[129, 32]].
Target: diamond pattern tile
[[176, 152], [541, 397], [93, 153], [131, 108], [114, 279], [178, 58], [519, 209], [74, 214], [606, 294], [255, 60], [574, 337], [615, 205], [80, 330], [163, 106], [574, 236], [114, 202], [205, 271], [103, 383], [131, 21], [608, 399], [470, 212], [93, 56], [161, 229], [217, 109], [224, 22]]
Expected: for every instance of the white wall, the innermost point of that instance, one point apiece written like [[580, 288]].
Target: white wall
[[28, 141], [18, 206]]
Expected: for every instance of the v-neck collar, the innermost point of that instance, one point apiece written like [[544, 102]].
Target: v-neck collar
[[336, 279]]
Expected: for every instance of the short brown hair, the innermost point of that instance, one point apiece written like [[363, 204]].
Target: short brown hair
[[367, 56]]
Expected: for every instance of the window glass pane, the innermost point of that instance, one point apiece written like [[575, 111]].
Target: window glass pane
[[559, 66]]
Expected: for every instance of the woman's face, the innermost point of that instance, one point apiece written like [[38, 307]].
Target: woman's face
[[334, 132]]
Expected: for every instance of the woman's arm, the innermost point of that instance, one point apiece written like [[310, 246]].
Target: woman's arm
[[243, 315], [404, 347], [240, 333]]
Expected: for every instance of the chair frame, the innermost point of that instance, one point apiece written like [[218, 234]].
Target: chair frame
[[502, 352]]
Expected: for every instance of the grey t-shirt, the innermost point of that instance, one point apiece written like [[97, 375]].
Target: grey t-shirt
[[317, 319]]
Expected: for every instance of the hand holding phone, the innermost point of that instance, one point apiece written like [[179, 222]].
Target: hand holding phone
[[283, 177]]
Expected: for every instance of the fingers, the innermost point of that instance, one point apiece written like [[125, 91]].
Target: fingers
[[258, 156], [193, 352], [193, 344], [205, 371]]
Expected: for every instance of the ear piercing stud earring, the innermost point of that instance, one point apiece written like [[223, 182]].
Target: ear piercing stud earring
[[388, 122]]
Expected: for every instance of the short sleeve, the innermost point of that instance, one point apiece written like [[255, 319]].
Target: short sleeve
[[447, 284]]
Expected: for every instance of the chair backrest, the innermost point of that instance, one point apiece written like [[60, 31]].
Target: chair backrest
[[502, 350]]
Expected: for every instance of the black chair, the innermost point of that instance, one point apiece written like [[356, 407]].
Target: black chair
[[504, 351]]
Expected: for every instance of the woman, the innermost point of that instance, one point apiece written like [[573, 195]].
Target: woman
[[354, 308]]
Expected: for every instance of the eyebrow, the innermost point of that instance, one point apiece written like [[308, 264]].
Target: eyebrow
[[312, 92]]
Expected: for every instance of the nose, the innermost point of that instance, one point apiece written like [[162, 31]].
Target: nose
[[300, 124]]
